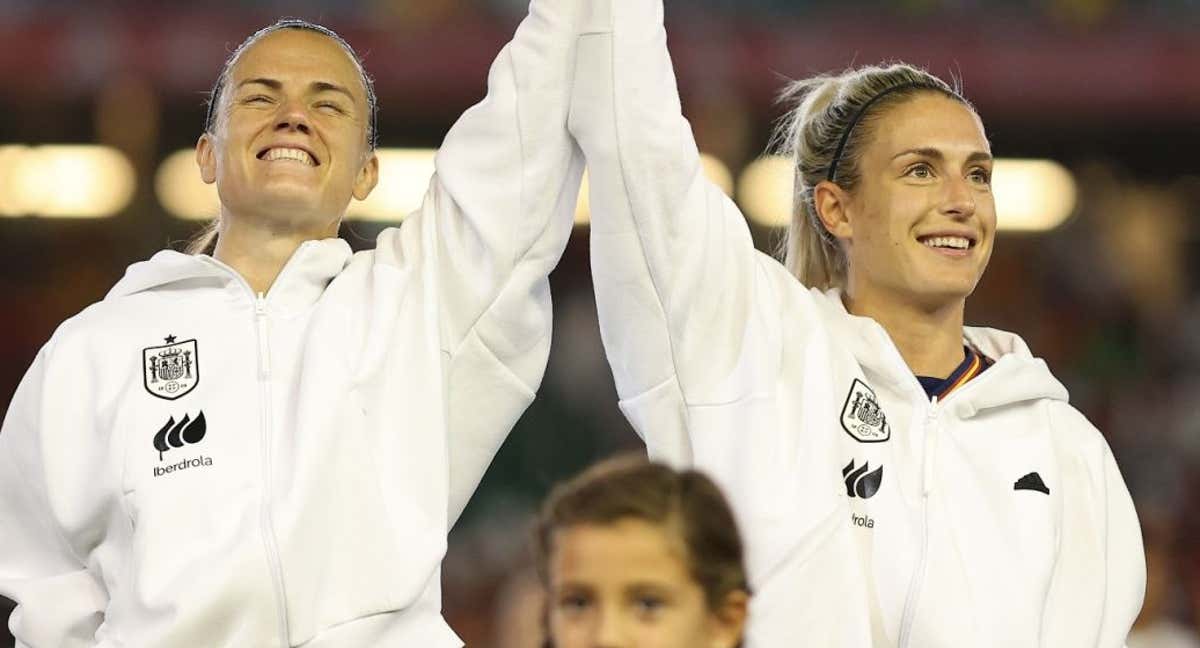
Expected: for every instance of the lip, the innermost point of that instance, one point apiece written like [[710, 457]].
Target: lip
[[312, 154]]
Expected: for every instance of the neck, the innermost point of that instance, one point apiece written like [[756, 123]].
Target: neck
[[929, 338], [259, 250]]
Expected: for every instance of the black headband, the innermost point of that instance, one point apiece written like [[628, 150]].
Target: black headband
[[841, 147]]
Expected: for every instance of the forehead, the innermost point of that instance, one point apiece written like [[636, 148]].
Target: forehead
[[624, 552], [929, 120], [301, 57]]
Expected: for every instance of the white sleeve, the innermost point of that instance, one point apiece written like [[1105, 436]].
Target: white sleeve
[[46, 528], [1125, 558], [496, 220], [674, 266]]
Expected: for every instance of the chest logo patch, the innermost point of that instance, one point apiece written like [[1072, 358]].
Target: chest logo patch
[[172, 370], [176, 434], [862, 417], [862, 481]]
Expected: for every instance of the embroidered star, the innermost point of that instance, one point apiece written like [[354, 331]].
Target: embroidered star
[[170, 339]]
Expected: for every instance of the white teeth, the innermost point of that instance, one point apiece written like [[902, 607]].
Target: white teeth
[[956, 242], [298, 155]]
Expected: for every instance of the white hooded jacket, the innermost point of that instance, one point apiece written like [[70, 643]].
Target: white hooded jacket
[[872, 516], [189, 464]]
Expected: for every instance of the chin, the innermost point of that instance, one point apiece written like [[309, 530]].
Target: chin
[[942, 293]]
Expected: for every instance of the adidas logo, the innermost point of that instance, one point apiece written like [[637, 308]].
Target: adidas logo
[[1033, 482], [859, 482], [176, 435]]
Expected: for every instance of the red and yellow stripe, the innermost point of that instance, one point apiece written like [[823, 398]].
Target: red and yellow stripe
[[975, 369]]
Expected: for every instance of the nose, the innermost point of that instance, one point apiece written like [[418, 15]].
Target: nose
[[293, 118], [959, 199], [609, 629]]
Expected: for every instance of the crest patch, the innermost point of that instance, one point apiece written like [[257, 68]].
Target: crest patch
[[862, 417], [172, 370]]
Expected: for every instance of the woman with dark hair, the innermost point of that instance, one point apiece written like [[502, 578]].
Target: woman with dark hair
[[901, 479], [266, 443], [634, 554]]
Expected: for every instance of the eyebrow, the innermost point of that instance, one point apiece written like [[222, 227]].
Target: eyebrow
[[315, 86], [977, 156]]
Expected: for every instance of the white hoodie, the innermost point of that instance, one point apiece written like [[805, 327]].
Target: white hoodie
[[187, 464], [873, 517]]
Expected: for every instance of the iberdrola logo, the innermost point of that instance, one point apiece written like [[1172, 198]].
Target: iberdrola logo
[[174, 434]]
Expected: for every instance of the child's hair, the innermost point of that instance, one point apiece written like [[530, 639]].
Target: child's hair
[[686, 504]]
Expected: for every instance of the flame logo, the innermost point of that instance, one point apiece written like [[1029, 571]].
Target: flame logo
[[861, 483], [176, 435]]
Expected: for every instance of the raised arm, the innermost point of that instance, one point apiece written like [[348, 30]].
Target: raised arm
[[494, 224], [673, 263], [46, 517]]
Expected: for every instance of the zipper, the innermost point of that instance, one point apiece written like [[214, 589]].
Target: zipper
[[918, 575], [262, 331], [264, 388]]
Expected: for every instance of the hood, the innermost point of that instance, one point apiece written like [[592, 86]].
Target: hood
[[1017, 376], [166, 268], [301, 281]]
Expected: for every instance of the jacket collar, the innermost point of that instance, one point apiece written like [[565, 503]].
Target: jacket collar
[[300, 284], [1017, 376]]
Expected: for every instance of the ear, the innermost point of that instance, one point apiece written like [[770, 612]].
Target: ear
[[728, 622], [832, 202], [206, 158], [368, 177]]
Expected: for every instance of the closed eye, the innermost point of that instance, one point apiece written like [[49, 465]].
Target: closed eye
[[329, 106]]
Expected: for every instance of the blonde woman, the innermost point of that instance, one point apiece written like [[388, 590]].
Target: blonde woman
[[901, 479], [266, 444]]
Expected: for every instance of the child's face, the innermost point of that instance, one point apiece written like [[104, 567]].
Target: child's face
[[627, 585]]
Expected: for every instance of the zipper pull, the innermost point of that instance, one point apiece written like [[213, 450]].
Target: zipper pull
[[264, 344]]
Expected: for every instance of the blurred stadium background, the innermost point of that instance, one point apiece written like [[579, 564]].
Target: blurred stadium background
[[1094, 104]]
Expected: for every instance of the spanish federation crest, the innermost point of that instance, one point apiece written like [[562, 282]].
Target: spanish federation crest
[[862, 417], [172, 370]]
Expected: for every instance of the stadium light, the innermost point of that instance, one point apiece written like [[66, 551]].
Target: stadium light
[[180, 190], [403, 177], [1031, 195], [765, 191], [10, 194], [714, 169], [64, 181]]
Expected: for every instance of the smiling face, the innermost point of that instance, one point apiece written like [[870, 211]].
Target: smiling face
[[627, 585], [920, 224], [290, 143]]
